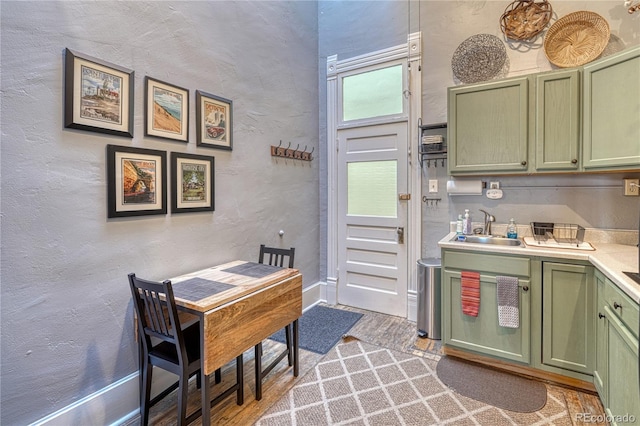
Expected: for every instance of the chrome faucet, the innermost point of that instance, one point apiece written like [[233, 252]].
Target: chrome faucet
[[488, 218]]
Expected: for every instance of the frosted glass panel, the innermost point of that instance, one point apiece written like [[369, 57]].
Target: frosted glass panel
[[372, 188], [372, 94]]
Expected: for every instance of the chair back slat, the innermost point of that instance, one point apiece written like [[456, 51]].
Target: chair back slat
[[276, 256], [157, 313], [154, 320]]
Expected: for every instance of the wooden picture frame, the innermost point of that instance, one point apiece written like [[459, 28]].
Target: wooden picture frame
[[136, 181], [214, 121], [192, 183], [166, 110], [98, 95]]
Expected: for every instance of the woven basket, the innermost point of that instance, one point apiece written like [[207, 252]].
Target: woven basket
[[525, 19], [576, 39]]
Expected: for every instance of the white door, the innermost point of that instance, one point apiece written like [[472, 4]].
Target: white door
[[372, 255], [373, 105]]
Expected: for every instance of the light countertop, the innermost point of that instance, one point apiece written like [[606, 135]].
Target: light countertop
[[611, 259]]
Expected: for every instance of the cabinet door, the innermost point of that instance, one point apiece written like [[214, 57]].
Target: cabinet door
[[600, 379], [611, 119], [624, 389], [482, 333], [568, 323], [557, 120], [488, 127]]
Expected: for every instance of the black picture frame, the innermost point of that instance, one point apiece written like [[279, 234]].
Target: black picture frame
[[192, 183], [166, 110], [136, 181], [214, 121], [98, 95]]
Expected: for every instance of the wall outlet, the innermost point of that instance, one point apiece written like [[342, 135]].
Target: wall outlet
[[433, 185], [632, 187]]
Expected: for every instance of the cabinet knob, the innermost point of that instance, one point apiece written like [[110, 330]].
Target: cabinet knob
[[524, 163], [616, 305], [574, 161], [525, 288], [600, 315]]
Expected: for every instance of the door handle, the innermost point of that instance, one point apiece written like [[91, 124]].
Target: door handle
[[400, 232]]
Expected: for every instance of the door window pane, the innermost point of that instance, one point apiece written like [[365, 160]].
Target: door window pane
[[372, 94], [371, 188]]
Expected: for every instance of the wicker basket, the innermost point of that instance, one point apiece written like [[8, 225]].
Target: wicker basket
[[576, 39], [525, 19]]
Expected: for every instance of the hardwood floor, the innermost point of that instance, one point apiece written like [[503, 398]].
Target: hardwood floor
[[378, 329]]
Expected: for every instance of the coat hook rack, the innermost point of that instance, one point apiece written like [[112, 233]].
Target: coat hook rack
[[288, 152], [431, 201]]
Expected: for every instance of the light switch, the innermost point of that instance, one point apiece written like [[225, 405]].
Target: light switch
[[433, 185]]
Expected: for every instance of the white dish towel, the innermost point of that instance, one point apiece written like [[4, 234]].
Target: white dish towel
[[508, 302]]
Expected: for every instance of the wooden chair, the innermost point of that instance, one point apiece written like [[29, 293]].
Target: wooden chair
[[165, 344], [283, 258]]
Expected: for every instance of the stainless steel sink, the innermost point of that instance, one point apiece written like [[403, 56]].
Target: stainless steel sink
[[487, 239]]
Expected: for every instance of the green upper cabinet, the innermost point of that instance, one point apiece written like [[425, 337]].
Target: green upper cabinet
[[611, 117], [575, 120], [488, 127], [557, 120]]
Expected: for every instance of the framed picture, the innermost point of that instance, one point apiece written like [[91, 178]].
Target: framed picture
[[214, 117], [136, 181], [98, 95], [192, 185], [166, 110]]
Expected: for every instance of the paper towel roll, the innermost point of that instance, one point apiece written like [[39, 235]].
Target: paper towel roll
[[464, 187]]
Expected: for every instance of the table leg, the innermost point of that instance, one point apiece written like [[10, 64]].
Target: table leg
[[258, 370], [205, 390], [206, 397], [240, 380], [296, 355]]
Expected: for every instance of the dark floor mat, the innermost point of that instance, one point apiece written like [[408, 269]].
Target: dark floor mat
[[502, 390], [321, 328]]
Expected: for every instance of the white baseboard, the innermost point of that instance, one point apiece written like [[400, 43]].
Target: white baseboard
[[119, 402]]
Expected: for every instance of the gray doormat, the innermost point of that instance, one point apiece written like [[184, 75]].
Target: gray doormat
[[493, 387], [321, 328]]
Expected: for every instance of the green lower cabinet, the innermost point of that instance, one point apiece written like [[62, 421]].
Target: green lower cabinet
[[616, 374], [600, 379], [568, 320], [623, 400], [483, 334]]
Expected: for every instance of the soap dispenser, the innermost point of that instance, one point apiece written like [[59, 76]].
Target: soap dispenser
[[459, 225], [466, 223], [512, 229]]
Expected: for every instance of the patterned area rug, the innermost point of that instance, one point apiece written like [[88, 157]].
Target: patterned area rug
[[357, 383]]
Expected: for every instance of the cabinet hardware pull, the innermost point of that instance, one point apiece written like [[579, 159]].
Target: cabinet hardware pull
[[524, 163], [616, 305], [525, 288], [574, 161], [600, 315]]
